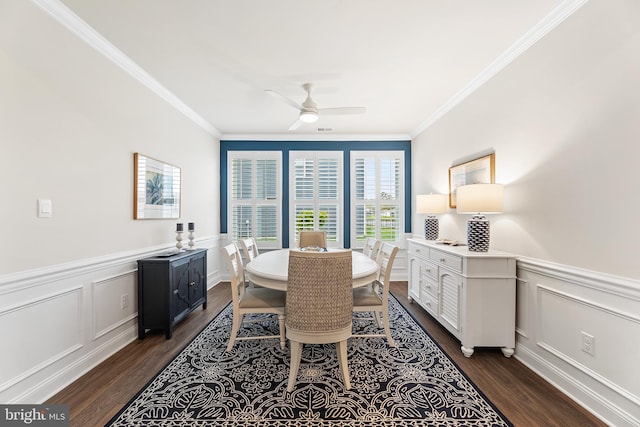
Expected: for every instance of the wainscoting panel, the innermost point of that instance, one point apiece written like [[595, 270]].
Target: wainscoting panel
[[42, 340], [108, 308], [582, 330], [562, 315], [58, 322]]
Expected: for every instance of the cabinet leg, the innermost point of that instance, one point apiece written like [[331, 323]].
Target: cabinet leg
[[410, 300], [168, 334], [508, 352], [204, 305], [141, 330], [466, 351]]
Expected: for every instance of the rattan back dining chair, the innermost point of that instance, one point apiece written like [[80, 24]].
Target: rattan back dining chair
[[319, 305], [248, 300], [312, 238], [375, 299]]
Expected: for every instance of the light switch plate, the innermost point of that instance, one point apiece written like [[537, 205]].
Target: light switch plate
[[44, 208]]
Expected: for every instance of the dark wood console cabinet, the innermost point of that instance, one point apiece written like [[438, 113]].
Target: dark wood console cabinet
[[169, 288]]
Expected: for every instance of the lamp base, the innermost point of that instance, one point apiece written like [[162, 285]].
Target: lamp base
[[431, 228], [478, 234]]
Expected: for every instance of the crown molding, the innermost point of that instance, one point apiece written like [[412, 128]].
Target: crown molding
[[548, 23], [77, 26], [315, 137]]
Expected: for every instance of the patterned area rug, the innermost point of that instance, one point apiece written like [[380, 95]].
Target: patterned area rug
[[414, 384]]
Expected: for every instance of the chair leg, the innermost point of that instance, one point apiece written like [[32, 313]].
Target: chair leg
[[283, 342], [376, 314], [235, 327], [296, 354], [341, 349], [387, 329]]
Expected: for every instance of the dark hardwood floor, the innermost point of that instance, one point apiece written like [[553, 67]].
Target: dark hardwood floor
[[523, 397]]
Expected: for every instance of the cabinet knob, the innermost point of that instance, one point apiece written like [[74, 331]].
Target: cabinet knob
[[442, 260], [192, 284]]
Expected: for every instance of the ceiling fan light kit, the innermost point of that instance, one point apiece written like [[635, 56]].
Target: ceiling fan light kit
[[308, 116], [309, 112]]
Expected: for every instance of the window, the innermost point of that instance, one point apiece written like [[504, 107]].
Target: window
[[351, 189], [316, 188], [377, 193], [254, 196]]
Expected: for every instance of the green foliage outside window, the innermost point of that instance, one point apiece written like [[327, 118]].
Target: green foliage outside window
[[304, 220]]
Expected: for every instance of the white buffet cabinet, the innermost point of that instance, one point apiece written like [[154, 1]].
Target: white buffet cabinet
[[472, 294]]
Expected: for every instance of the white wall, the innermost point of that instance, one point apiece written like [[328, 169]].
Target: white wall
[[563, 122], [70, 121]]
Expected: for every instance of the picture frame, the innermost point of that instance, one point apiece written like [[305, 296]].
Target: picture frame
[[156, 188], [477, 171]]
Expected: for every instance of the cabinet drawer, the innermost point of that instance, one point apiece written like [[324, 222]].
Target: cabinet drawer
[[429, 287], [452, 261], [418, 250], [429, 271], [430, 303]]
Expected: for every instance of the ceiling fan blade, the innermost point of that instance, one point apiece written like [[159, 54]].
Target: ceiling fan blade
[[342, 110], [295, 125], [284, 98]]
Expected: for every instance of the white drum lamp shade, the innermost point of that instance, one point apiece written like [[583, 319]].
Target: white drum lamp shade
[[479, 199], [431, 204]]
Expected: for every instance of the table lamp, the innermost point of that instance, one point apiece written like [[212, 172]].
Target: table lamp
[[479, 199], [431, 204]]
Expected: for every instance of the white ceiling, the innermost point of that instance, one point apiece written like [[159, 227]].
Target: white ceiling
[[406, 61]]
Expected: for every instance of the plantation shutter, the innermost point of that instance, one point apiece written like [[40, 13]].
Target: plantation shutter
[[254, 202], [316, 185], [378, 196]]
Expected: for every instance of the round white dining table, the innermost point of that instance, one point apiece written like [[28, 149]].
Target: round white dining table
[[270, 269]]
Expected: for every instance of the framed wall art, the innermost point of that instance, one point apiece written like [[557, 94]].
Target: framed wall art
[[478, 171], [156, 188]]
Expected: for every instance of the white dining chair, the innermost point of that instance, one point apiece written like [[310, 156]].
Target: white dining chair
[[248, 300], [371, 247], [249, 249], [319, 305], [312, 239], [375, 299]]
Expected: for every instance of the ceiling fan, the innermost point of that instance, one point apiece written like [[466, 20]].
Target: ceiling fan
[[309, 111]]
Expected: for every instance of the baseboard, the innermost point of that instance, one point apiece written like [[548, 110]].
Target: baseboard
[[51, 385], [585, 397]]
